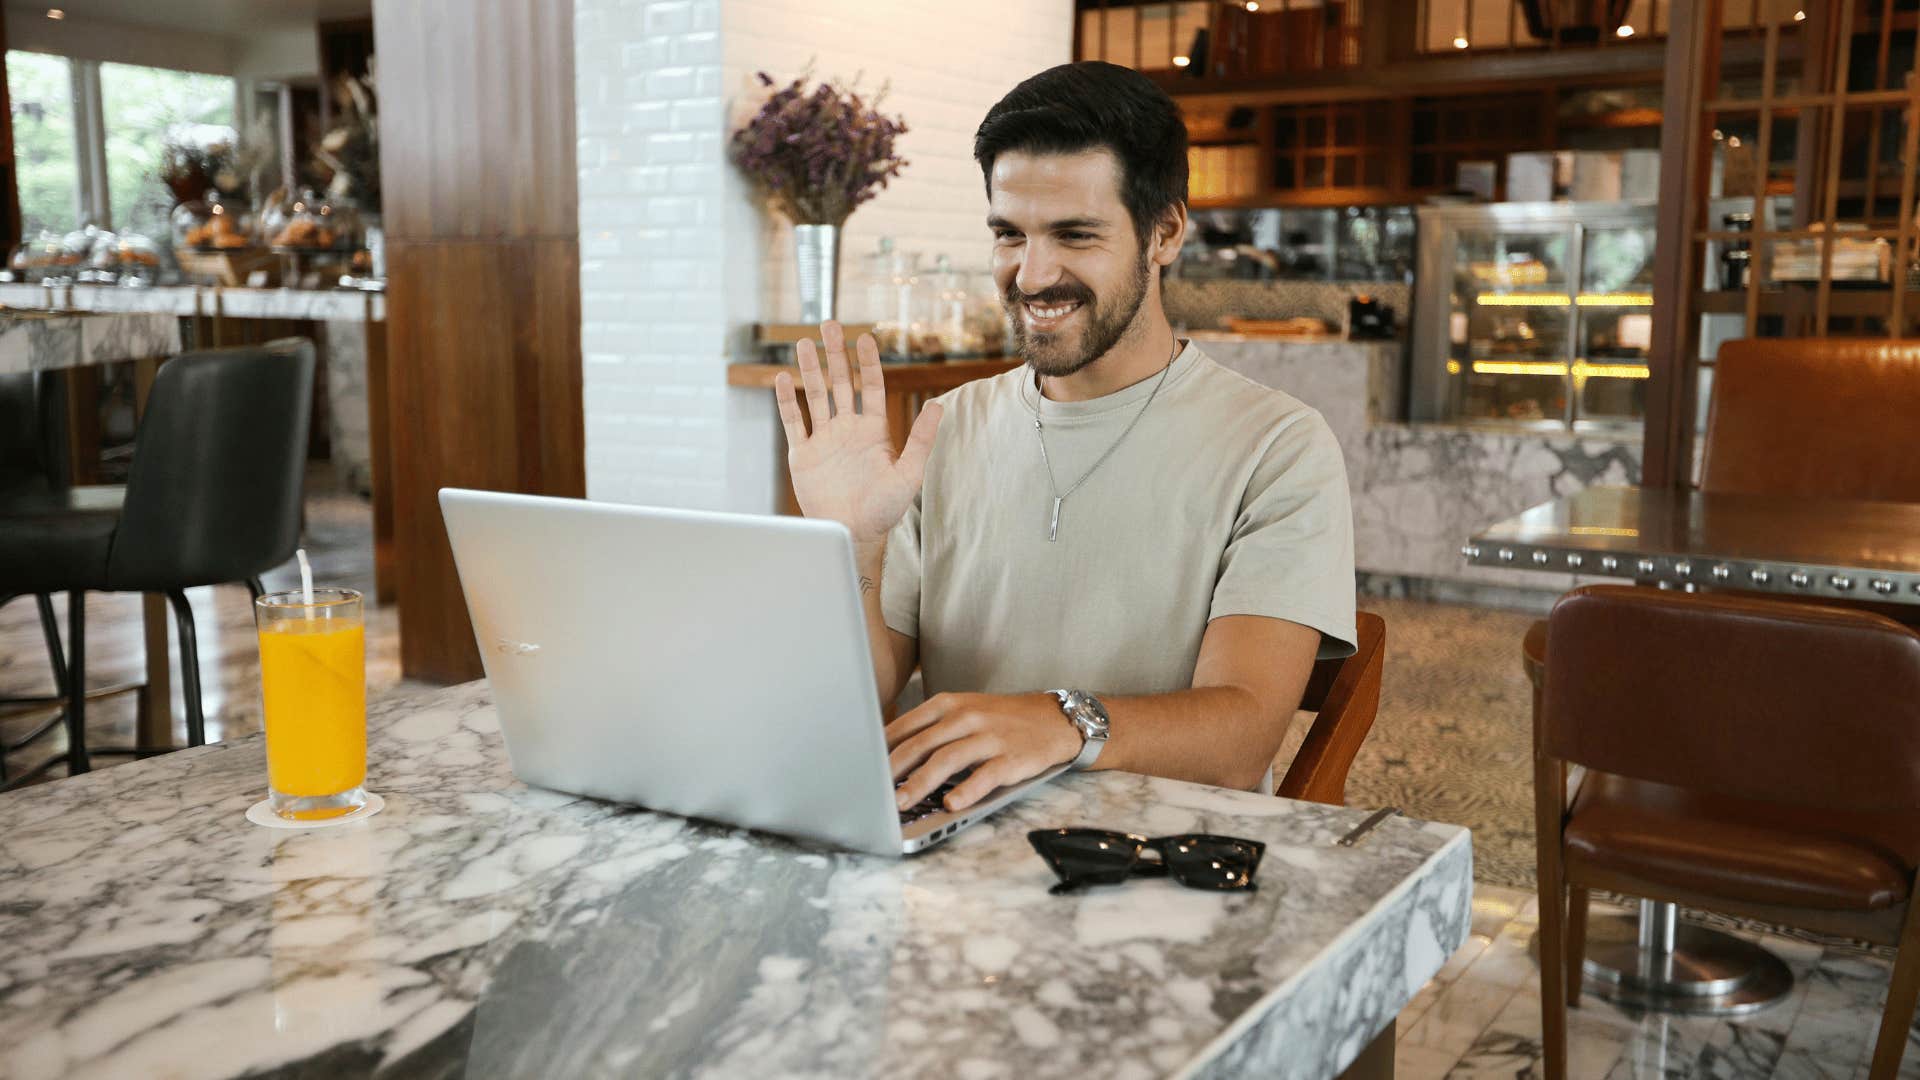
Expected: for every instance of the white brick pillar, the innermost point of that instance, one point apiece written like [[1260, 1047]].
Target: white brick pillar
[[676, 258]]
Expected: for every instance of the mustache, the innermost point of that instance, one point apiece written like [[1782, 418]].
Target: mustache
[[1051, 297]]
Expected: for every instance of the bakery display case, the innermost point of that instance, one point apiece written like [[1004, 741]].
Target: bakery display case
[[1533, 316]]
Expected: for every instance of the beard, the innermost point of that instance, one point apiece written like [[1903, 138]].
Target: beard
[[1058, 354]]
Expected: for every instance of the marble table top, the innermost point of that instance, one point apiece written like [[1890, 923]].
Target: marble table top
[[481, 927], [35, 341]]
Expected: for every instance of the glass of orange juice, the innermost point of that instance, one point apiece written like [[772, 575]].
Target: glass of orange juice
[[313, 682]]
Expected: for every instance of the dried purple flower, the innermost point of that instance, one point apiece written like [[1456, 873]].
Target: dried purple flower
[[817, 155]]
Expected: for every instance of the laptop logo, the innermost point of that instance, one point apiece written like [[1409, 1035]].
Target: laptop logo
[[515, 648]]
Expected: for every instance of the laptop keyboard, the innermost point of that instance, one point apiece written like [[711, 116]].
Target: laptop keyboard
[[932, 805]]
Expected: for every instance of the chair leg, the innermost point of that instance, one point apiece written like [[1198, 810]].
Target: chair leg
[[50, 630], [189, 667], [1902, 996], [1549, 780], [258, 590], [1576, 942], [77, 682]]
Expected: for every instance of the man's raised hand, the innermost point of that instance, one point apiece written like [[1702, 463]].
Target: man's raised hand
[[845, 469]]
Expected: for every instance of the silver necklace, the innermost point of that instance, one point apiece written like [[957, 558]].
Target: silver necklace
[[1053, 521]]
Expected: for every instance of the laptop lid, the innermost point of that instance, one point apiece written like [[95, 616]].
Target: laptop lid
[[703, 664]]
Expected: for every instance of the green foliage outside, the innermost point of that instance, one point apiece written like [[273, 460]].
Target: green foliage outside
[[42, 96], [141, 106]]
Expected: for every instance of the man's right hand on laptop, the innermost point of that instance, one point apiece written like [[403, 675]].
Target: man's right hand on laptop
[[845, 469]]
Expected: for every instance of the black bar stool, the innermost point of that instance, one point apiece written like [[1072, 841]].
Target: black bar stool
[[214, 497], [31, 462]]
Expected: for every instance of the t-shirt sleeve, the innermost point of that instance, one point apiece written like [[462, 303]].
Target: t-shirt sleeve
[[1290, 555], [900, 574]]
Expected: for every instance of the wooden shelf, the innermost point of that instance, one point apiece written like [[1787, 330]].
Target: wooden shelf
[[1799, 299], [928, 378]]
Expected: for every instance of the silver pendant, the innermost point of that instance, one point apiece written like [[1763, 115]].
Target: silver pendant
[[1053, 527]]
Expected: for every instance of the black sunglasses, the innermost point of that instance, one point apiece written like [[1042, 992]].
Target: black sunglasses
[[1098, 857]]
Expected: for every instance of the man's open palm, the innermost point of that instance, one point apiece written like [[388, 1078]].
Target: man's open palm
[[844, 469]]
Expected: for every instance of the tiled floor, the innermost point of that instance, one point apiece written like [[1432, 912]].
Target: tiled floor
[[1479, 1017]]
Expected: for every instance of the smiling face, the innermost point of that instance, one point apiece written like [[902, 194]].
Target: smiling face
[[1071, 271]]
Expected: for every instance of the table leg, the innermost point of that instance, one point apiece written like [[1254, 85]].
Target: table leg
[[153, 725], [1660, 964]]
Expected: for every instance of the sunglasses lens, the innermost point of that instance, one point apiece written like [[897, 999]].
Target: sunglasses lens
[[1212, 862], [1086, 856]]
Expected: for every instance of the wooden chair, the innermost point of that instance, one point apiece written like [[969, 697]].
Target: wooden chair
[[1796, 416], [1345, 695], [1755, 757]]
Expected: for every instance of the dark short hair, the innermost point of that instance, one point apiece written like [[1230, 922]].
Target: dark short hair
[[1096, 105]]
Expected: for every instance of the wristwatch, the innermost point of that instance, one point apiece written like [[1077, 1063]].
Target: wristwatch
[[1085, 713]]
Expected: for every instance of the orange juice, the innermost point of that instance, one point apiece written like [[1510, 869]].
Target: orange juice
[[313, 679]]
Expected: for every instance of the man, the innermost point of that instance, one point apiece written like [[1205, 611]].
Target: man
[[1166, 542]]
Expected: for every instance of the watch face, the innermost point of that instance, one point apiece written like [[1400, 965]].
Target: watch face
[[1090, 717]]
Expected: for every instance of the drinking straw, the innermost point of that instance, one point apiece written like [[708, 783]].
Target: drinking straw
[[306, 574]]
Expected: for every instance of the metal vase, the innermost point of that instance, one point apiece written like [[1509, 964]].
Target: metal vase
[[816, 255]]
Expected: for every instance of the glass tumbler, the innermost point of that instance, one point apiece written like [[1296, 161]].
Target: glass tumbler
[[313, 685]]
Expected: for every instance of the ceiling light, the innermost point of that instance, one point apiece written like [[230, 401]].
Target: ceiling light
[[1799, 16], [1733, 141], [1181, 61], [1460, 41], [1625, 31], [1253, 5], [56, 14], [1718, 134]]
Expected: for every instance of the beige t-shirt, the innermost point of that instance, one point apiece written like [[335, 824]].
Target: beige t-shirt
[[1228, 498]]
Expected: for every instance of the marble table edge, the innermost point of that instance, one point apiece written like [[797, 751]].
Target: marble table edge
[[1259, 1011]]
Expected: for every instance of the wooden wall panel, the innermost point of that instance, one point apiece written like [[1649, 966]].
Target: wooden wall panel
[[483, 284], [485, 144]]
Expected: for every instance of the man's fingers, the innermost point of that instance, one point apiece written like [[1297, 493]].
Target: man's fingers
[[789, 409], [816, 386], [917, 719], [839, 372], [983, 781], [913, 456], [913, 752], [873, 385], [946, 761]]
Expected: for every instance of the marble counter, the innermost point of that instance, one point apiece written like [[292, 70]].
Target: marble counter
[[318, 305], [39, 342], [140, 314], [480, 927], [1419, 490]]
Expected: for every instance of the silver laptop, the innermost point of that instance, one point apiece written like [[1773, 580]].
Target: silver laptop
[[708, 665]]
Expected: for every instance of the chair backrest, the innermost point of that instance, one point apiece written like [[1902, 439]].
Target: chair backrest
[[1815, 416], [32, 430], [1345, 696], [1770, 700], [218, 466]]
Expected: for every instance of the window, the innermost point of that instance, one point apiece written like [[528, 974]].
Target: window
[[142, 106], [41, 90], [88, 137]]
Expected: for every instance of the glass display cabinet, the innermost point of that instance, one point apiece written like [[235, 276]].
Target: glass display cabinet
[[1534, 316]]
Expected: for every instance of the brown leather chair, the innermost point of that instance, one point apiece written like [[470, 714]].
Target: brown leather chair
[[1802, 416], [1826, 417], [1755, 757], [1345, 696], [1815, 416]]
